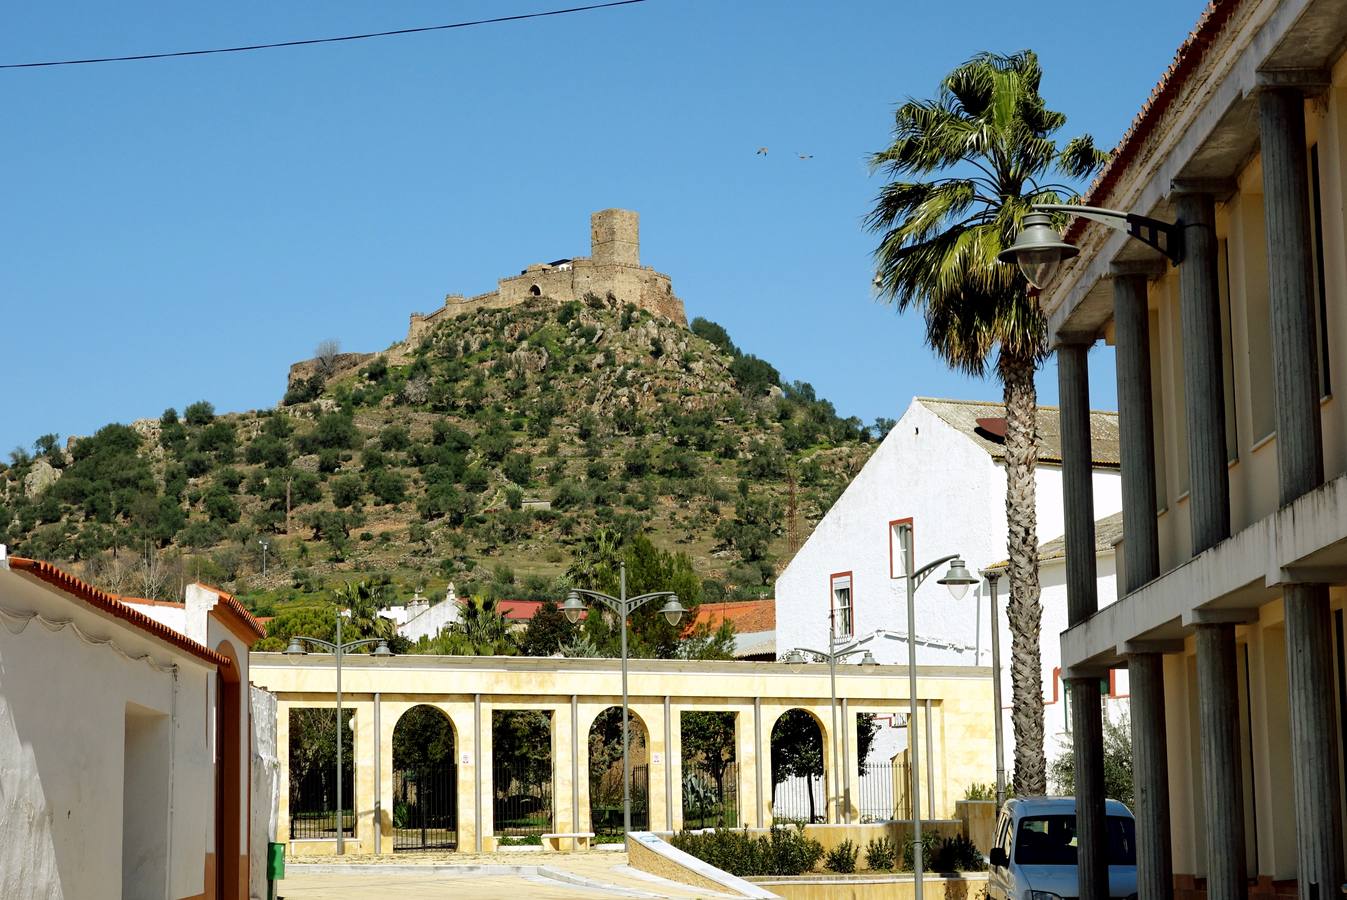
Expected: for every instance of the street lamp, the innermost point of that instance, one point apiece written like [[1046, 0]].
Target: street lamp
[[265, 545], [1038, 248], [338, 649], [957, 578], [796, 657], [623, 607], [992, 576]]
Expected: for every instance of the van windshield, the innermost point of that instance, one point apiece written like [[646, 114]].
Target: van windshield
[[1051, 841]]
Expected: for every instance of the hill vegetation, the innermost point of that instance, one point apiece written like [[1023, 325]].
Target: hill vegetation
[[494, 454]]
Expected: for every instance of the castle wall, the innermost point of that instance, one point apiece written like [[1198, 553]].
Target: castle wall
[[614, 268]]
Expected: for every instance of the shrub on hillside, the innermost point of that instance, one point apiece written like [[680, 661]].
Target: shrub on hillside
[[199, 413]]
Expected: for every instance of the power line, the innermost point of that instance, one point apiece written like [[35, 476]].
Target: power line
[[327, 40]]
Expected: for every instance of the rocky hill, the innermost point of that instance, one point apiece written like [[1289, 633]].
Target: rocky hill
[[486, 454]]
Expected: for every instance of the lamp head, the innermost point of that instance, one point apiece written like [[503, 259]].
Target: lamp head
[[1038, 249], [295, 648], [957, 579], [869, 659], [794, 658], [573, 608], [381, 651], [673, 610]]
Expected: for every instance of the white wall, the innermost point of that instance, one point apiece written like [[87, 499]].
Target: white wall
[[954, 492], [63, 713], [925, 470]]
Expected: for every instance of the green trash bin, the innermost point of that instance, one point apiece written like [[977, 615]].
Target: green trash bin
[[275, 867]]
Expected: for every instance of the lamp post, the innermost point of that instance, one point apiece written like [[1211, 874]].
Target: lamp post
[[265, 545], [1038, 248], [796, 656], [623, 607], [992, 576], [338, 649], [957, 579]]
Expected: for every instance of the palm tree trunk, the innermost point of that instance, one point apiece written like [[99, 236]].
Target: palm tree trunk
[[1025, 612]]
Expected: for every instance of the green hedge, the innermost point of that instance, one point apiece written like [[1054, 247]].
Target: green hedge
[[785, 851]]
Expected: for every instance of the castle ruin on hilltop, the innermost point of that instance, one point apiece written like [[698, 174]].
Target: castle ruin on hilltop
[[612, 268]]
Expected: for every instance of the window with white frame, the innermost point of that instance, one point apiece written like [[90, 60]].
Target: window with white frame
[[900, 547], [843, 611]]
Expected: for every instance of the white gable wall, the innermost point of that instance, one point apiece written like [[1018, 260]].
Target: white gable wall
[[954, 492], [924, 470]]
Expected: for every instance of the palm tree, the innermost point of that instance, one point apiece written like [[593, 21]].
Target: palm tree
[[361, 602], [965, 167]]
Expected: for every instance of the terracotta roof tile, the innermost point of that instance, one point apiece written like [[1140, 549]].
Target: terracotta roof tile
[[108, 603], [1187, 59], [747, 616], [236, 609], [963, 415]]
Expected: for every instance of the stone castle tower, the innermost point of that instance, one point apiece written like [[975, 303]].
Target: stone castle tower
[[613, 268], [615, 237]]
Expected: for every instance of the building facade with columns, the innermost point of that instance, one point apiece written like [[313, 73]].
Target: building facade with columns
[[470, 692], [1234, 461]]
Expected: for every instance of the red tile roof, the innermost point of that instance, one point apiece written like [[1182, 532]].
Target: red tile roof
[[747, 616], [1189, 57], [241, 617], [108, 603]]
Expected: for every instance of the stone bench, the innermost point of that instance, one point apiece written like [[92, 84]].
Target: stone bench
[[553, 841]]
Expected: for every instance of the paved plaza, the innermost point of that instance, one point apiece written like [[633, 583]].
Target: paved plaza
[[549, 876]]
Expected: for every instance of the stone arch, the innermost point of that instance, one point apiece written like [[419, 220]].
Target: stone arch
[[523, 758], [535, 290], [604, 752], [709, 761], [425, 780], [800, 767]]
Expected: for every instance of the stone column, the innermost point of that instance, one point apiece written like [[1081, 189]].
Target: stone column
[[1203, 377], [1300, 468], [1150, 772], [1136, 428], [1082, 601], [1087, 730], [1136, 423], [1222, 782], [1073, 389], [1309, 659], [1286, 199]]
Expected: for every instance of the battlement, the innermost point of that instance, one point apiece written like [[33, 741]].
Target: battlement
[[612, 268]]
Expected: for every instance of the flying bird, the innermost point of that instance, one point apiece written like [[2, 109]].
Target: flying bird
[[805, 155], [762, 151]]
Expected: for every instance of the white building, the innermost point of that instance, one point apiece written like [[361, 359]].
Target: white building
[[125, 732], [940, 476], [419, 618]]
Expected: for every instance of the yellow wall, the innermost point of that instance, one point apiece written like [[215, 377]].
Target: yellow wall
[[960, 700]]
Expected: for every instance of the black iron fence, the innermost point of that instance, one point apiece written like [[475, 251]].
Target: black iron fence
[[605, 800], [710, 796], [884, 792], [522, 801], [425, 808], [313, 806]]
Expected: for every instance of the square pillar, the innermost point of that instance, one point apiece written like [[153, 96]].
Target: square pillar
[[283, 771], [674, 786], [746, 756], [363, 743]]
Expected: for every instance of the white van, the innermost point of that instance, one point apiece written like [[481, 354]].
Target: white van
[[1034, 855]]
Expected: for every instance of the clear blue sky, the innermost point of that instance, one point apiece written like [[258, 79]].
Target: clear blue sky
[[185, 229]]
